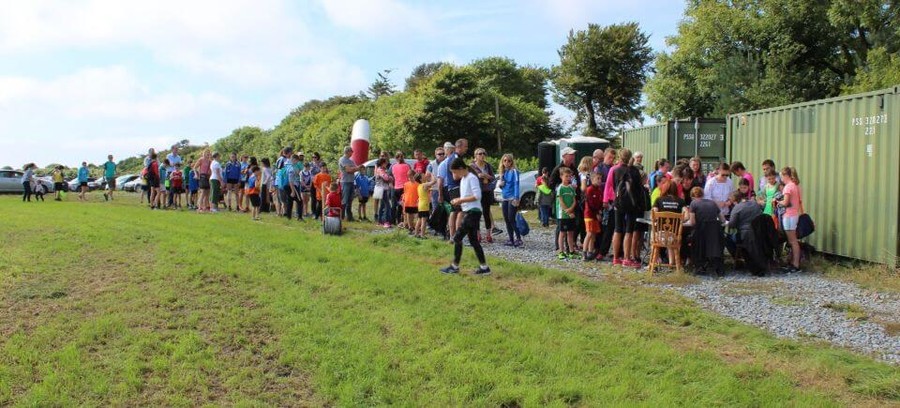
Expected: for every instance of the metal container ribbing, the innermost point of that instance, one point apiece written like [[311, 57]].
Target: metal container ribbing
[[674, 140], [847, 153]]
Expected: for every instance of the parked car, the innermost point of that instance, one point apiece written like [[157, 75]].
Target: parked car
[[11, 182], [527, 189], [132, 185], [47, 181], [92, 184], [122, 180], [370, 165], [99, 184]]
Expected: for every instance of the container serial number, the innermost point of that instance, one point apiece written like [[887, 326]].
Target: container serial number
[[869, 120]]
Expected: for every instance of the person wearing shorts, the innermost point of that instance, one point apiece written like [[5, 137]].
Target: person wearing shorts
[[625, 216], [232, 178], [109, 172], [792, 203], [565, 214]]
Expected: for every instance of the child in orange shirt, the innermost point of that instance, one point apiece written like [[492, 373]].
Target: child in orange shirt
[[333, 200], [320, 182], [411, 201]]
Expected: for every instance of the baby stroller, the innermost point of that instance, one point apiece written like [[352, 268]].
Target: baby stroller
[[331, 219]]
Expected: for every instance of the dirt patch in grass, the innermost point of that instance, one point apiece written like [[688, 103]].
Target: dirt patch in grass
[[750, 288], [876, 277], [853, 311]]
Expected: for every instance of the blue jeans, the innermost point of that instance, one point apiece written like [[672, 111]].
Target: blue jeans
[[544, 214], [347, 200], [384, 207], [509, 215]]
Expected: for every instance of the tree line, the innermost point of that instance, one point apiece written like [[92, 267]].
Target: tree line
[[727, 56]]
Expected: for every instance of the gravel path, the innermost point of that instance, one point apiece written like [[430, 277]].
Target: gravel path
[[797, 306]]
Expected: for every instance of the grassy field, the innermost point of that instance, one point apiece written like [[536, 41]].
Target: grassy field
[[112, 304]]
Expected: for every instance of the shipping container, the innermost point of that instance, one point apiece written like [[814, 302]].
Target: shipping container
[[847, 153], [681, 139]]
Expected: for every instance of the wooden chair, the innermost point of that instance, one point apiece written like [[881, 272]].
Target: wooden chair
[[665, 233]]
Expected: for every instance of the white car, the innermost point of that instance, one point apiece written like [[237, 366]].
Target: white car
[[527, 189], [122, 180], [370, 165], [133, 185]]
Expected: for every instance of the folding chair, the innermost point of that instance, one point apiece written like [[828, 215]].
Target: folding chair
[[665, 233]]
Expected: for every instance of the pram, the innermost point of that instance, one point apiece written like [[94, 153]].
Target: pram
[[331, 219]]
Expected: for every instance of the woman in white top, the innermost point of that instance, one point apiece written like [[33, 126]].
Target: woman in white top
[[215, 183], [470, 202], [719, 188]]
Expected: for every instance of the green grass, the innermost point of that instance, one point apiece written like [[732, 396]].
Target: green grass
[[112, 304]]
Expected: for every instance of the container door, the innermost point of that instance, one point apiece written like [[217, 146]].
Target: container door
[[712, 144]]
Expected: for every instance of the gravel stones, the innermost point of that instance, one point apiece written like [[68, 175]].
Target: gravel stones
[[796, 306]]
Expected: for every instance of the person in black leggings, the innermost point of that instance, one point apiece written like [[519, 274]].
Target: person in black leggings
[[26, 181], [470, 202]]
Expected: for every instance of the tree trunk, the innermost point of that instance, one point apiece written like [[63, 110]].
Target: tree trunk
[[591, 118]]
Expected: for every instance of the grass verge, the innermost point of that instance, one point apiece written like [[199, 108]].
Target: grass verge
[[112, 304]]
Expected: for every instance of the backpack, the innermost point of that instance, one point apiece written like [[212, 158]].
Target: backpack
[[626, 199], [522, 225], [283, 178]]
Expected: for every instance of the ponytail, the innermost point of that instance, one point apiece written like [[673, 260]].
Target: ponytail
[[791, 172]]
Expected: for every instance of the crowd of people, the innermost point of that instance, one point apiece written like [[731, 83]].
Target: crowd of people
[[599, 206]]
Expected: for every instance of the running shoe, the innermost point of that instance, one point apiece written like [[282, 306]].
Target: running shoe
[[450, 270], [482, 271]]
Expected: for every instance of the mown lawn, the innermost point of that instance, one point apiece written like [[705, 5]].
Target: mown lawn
[[112, 304]]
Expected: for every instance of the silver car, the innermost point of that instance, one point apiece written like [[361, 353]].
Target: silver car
[[122, 180], [11, 182], [527, 189]]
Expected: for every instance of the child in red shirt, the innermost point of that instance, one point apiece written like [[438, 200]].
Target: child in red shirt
[[593, 205], [177, 182], [333, 201]]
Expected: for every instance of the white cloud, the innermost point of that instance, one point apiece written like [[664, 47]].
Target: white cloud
[[377, 17], [102, 93]]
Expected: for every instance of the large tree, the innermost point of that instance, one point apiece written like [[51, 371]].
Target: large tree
[[450, 107], [601, 73], [734, 55]]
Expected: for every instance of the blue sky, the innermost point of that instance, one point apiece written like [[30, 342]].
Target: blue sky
[[81, 79]]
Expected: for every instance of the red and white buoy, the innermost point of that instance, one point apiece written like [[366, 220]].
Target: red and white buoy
[[359, 141]]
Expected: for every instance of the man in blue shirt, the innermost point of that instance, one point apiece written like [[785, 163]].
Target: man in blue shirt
[[109, 172], [83, 174]]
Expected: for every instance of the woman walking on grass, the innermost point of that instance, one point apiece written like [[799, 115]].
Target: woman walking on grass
[[470, 202], [26, 181], [509, 185]]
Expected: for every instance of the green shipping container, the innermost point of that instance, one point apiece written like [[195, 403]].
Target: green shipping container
[[675, 140], [847, 153]]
